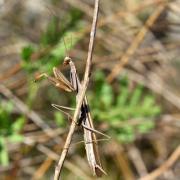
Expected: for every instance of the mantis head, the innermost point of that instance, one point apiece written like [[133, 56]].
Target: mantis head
[[67, 60]]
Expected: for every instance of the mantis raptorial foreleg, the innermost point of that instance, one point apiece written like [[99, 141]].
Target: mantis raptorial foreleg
[[59, 80]]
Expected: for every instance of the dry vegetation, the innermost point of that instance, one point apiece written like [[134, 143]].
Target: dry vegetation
[[134, 90]]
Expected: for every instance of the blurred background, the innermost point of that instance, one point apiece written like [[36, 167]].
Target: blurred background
[[134, 91]]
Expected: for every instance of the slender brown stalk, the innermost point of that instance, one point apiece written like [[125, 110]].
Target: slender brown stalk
[[163, 168], [135, 44], [82, 94], [24, 109]]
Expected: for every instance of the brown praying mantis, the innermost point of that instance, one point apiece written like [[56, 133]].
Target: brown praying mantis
[[91, 146]]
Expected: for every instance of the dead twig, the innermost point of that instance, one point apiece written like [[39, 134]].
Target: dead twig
[[136, 158], [156, 85], [82, 94], [135, 44], [72, 167], [121, 160], [24, 109], [167, 164]]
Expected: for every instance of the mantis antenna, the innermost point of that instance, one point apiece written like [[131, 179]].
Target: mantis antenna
[[65, 46]]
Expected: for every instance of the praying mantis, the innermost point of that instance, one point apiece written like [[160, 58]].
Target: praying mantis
[[74, 85]]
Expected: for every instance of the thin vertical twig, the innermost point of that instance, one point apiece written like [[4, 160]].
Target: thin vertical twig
[[82, 93]]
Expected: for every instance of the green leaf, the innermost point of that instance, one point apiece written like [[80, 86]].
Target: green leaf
[[59, 119], [99, 76], [18, 124], [4, 158], [106, 95], [8, 107], [5, 119], [148, 101], [145, 126], [123, 97], [136, 95], [27, 52], [15, 138], [52, 33], [125, 137], [129, 105], [126, 134]]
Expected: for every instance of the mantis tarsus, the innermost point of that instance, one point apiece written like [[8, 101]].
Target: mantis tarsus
[[85, 119]]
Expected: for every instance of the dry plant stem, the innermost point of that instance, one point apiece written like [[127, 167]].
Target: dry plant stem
[[26, 111], [83, 6], [15, 69], [53, 156], [156, 86], [122, 162], [69, 165], [163, 168], [137, 160], [40, 172], [117, 15], [135, 44], [23, 163], [82, 94]]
